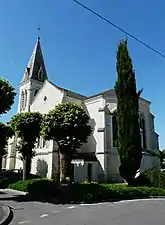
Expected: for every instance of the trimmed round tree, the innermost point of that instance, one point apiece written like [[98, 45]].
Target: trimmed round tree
[[67, 124], [5, 133], [129, 140], [27, 127], [7, 95]]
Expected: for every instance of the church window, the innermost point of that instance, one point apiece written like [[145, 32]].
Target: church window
[[47, 144], [22, 100], [27, 72], [28, 69], [40, 74], [143, 131], [35, 92], [114, 130], [89, 172], [38, 143], [44, 143], [45, 99], [25, 98]]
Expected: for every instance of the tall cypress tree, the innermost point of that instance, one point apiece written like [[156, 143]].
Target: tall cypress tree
[[129, 140]]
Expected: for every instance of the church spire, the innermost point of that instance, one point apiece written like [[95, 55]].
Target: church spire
[[36, 68]]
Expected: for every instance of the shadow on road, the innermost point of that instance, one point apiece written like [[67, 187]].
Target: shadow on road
[[2, 193], [28, 198]]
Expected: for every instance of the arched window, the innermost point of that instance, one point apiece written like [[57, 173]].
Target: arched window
[[35, 92], [114, 130], [142, 131], [22, 101], [25, 98], [40, 74]]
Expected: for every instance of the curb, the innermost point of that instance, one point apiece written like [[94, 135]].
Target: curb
[[8, 215], [14, 191]]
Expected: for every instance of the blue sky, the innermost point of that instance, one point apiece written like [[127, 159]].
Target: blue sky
[[80, 49]]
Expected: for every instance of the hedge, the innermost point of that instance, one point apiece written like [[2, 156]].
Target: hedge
[[37, 187], [105, 192], [85, 192], [152, 178], [6, 181]]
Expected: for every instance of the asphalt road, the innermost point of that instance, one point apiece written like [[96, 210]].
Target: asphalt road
[[139, 212]]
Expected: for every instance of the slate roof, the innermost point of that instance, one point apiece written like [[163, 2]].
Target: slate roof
[[70, 93], [85, 156], [112, 92], [36, 61]]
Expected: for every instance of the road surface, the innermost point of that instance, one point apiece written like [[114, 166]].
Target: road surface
[[136, 212]]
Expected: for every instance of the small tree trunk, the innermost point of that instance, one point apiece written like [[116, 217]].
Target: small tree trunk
[[57, 178], [0, 164], [26, 167], [65, 167]]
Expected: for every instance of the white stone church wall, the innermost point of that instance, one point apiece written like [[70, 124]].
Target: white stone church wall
[[145, 110], [46, 158], [47, 98], [81, 170], [95, 142]]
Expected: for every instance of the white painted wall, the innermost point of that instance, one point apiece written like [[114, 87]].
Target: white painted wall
[[150, 162], [30, 87], [81, 170], [53, 95], [48, 158], [19, 162], [96, 141], [145, 109]]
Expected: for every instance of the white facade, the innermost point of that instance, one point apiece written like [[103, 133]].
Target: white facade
[[98, 159]]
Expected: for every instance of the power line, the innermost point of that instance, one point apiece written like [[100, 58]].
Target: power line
[[119, 28]]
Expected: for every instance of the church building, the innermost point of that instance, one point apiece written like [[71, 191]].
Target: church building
[[98, 159]]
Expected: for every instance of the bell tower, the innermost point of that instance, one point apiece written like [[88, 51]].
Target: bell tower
[[33, 79]]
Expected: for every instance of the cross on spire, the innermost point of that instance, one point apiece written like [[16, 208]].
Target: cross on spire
[[38, 29]]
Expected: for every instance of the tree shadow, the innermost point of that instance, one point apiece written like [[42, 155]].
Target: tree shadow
[[42, 168], [30, 198]]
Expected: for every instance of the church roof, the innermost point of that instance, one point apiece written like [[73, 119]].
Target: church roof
[[112, 92], [35, 63], [85, 156], [70, 93]]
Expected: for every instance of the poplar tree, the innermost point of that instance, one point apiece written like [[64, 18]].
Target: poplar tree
[[129, 140]]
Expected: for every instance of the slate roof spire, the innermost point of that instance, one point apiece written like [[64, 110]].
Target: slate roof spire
[[36, 67]]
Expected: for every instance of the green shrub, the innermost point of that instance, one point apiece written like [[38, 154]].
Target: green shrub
[[6, 181], [152, 178], [105, 192], [86, 192], [37, 187]]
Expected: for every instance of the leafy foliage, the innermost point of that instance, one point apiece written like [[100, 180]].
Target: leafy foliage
[[152, 178], [129, 141], [7, 95], [5, 133], [67, 124], [162, 158], [89, 192], [27, 127], [6, 181], [105, 192], [33, 187]]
